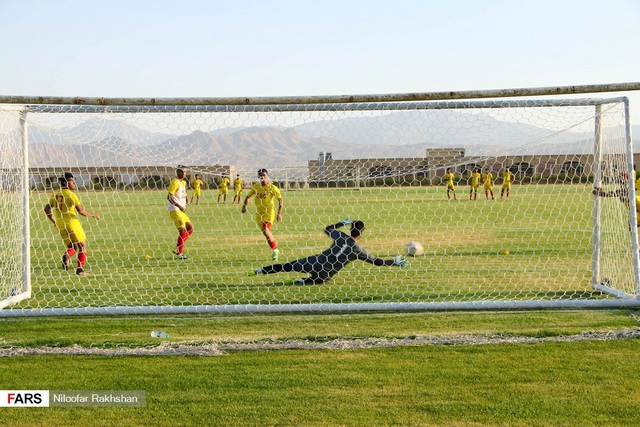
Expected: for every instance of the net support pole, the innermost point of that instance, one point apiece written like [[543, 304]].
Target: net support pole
[[26, 244], [632, 200], [597, 207]]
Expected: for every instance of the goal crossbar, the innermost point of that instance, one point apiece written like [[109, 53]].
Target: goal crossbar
[[330, 99], [276, 107]]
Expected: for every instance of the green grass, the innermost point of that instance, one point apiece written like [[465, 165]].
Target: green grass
[[547, 230], [548, 384], [134, 330], [583, 383]]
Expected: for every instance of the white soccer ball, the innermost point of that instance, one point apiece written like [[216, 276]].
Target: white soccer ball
[[414, 249]]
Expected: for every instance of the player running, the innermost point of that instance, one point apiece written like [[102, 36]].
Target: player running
[[63, 210], [266, 193], [343, 250], [177, 208]]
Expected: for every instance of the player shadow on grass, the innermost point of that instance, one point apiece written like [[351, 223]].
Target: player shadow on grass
[[279, 283], [233, 287]]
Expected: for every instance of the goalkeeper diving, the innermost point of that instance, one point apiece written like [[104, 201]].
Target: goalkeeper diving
[[325, 265]]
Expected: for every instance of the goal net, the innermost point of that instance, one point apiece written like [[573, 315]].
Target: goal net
[[14, 250], [498, 193]]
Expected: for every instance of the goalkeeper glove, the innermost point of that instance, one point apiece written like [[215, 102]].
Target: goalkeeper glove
[[400, 261], [346, 221]]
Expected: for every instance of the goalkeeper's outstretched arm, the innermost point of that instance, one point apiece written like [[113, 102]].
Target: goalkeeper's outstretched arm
[[398, 261], [356, 229]]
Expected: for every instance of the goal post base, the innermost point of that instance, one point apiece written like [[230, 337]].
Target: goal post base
[[329, 308], [14, 299], [607, 290]]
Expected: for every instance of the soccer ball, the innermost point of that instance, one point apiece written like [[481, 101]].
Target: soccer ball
[[414, 249]]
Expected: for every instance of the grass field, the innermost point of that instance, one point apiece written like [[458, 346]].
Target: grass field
[[526, 368], [546, 229], [588, 382]]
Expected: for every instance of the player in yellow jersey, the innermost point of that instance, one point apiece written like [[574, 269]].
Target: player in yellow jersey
[[63, 210], [448, 178], [223, 188], [506, 183], [177, 207], [474, 183], [487, 182], [266, 194], [196, 184], [237, 187]]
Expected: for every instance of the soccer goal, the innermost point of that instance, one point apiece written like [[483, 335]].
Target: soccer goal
[[498, 192]]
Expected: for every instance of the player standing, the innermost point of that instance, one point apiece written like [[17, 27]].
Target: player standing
[[223, 187], [62, 210], [475, 183], [266, 193], [506, 183], [343, 250], [196, 184], [237, 187], [177, 208], [451, 188], [487, 181]]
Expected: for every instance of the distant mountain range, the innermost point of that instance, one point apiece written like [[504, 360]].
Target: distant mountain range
[[102, 142]]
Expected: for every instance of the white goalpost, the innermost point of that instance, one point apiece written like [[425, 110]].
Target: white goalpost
[[15, 283], [544, 240]]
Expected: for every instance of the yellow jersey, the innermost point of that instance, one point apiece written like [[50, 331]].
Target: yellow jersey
[[475, 179], [64, 203], [223, 183], [265, 197], [196, 184], [237, 184], [178, 189], [448, 178], [487, 179]]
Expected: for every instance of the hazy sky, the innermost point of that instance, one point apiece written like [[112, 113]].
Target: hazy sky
[[231, 48]]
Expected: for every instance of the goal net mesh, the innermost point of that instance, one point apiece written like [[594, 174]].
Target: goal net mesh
[[384, 164], [11, 206]]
